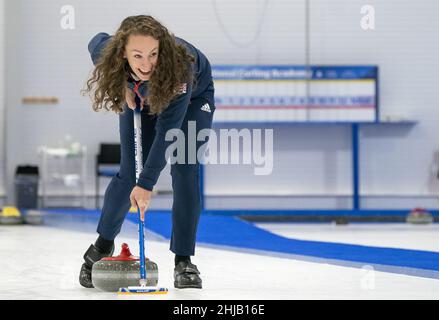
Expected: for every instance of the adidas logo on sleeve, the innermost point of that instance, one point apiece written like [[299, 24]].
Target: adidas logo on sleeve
[[206, 108]]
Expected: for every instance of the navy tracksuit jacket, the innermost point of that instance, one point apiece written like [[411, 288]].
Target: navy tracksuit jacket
[[188, 106]]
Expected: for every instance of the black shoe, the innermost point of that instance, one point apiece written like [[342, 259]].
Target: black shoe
[[92, 255], [186, 275], [85, 276]]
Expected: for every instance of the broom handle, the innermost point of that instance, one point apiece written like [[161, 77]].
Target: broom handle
[[139, 162]]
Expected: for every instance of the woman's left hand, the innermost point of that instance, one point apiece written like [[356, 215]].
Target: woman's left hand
[[141, 198]]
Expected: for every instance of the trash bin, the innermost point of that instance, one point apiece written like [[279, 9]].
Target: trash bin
[[26, 187]]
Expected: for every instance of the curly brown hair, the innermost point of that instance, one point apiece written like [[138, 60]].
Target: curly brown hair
[[109, 78]]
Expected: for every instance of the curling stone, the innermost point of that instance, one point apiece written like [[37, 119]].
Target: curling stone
[[33, 217], [112, 273], [10, 216], [419, 216]]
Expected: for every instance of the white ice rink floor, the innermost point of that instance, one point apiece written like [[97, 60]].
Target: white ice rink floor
[[42, 262]]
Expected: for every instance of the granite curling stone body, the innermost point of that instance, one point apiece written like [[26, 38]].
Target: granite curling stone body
[[112, 273]]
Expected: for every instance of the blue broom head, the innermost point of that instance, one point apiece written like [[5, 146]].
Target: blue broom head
[[143, 290]]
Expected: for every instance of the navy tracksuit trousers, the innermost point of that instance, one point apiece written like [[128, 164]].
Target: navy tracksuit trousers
[[186, 206]]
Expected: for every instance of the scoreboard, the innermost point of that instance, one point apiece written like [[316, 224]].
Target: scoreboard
[[245, 93]]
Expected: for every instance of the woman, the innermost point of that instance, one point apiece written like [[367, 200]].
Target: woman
[[172, 81]]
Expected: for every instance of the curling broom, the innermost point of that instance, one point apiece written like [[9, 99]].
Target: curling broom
[[143, 288]]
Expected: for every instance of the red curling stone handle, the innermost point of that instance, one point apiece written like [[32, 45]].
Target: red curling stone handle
[[125, 255]]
